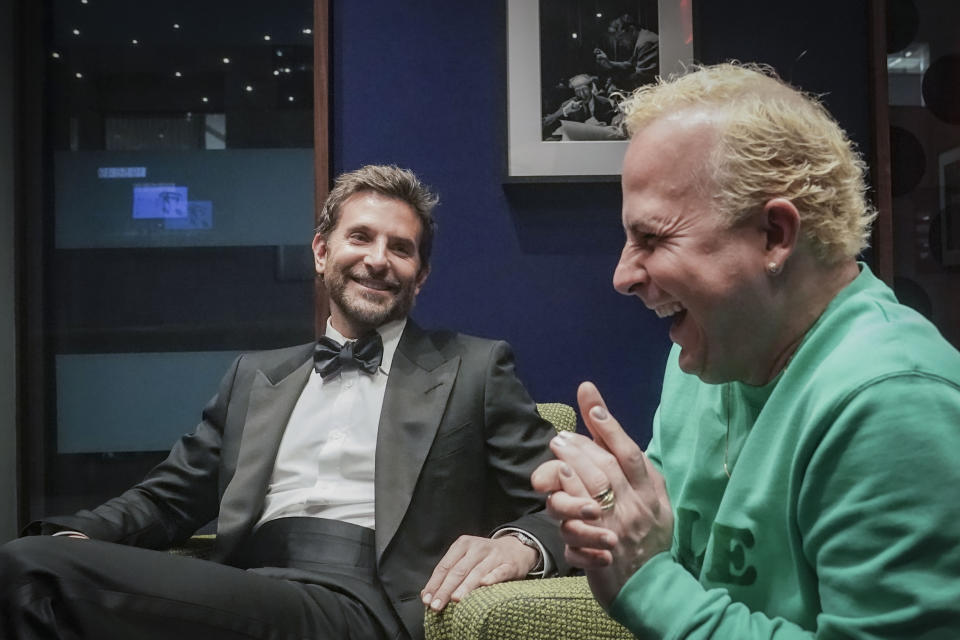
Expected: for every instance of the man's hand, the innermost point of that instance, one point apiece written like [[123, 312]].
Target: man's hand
[[610, 545], [473, 562], [602, 59], [570, 106]]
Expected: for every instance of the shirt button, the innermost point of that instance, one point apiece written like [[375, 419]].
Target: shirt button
[[349, 384], [336, 434]]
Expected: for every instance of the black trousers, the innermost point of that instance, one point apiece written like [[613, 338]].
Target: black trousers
[[58, 587]]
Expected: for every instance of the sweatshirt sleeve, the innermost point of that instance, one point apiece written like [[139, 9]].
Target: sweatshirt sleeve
[[878, 524], [663, 600]]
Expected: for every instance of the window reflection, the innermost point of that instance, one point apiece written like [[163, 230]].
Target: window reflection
[[179, 143]]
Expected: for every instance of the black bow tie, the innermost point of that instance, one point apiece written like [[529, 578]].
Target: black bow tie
[[364, 354]]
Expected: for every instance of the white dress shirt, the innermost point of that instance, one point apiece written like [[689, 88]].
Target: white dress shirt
[[325, 464]]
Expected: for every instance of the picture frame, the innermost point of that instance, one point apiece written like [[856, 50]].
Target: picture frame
[[582, 152], [949, 187]]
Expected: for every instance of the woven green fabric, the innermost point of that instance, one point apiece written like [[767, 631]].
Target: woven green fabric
[[552, 609], [200, 546], [560, 415]]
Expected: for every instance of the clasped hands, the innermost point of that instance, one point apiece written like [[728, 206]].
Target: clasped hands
[[610, 544]]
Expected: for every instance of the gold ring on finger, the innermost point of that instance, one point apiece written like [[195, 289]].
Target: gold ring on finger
[[605, 499]]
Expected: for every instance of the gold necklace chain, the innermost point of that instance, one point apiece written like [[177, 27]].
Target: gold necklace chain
[[726, 443]]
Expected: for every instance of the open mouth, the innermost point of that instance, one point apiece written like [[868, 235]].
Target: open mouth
[[677, 313], [668, 309]]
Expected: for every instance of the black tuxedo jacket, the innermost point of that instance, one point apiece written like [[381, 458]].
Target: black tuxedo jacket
[[458, 439]]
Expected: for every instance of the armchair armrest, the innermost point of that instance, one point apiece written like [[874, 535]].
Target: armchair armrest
[[554, 609], [198, 546]]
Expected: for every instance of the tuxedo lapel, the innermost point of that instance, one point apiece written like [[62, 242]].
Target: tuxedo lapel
[[420, 383], [268, 412]]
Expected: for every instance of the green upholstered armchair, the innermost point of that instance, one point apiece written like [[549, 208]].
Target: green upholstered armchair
[[561, 416], [549, 609], [199, 546]]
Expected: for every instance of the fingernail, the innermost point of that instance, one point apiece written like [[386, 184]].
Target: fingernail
[[435, 605], [426, 598], [599, 413], [562, 439], [566, 471], [610, 540], [457, 595]]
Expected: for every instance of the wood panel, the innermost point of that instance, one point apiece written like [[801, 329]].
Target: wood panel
[[321, 137]]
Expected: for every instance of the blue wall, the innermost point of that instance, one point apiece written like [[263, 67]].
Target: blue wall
[[422, 84]]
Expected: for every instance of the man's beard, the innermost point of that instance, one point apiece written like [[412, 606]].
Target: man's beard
[[368, 309]]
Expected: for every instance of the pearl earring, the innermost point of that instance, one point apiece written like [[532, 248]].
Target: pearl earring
[[773, 268]]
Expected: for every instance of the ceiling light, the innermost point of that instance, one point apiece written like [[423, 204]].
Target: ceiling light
[[176, 25], [205, 99], [249, 87], [276, 72], [55, 54], [76, 32], [226, 61], [307, 31], [290, 98], [134, 41], [267, 38], [79, 75], [177, 74]]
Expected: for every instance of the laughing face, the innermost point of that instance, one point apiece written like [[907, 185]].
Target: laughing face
[[370, 263], [683, 260]]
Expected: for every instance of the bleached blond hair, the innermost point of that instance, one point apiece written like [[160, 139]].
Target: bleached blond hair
[[774, 141]]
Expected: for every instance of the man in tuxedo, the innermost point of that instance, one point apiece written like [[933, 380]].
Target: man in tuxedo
[[354, 480]]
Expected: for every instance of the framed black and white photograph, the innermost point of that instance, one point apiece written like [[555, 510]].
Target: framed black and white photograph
[[569, 65]]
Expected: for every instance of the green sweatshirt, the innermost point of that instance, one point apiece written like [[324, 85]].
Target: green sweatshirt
[[841, 516]]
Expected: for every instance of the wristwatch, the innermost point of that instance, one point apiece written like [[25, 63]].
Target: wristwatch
[[530, 542]]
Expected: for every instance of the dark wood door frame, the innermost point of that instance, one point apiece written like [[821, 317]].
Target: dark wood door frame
[[321, 137]]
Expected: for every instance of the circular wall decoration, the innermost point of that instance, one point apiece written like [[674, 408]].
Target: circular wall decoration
[[902, 24], [941, 88], [908, 161]]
